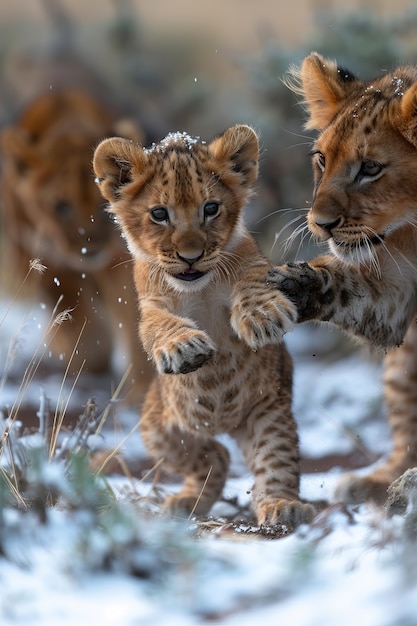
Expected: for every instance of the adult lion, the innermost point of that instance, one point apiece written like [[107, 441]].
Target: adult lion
[[52, 210]]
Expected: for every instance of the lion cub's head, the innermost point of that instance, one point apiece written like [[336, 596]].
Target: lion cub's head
[[179, 203], [365, 158]]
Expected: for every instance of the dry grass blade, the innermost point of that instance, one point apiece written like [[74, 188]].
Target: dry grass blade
[[8, 442], [371, 456], [59, 416], [113, 453], [152, 470], [34, 265], [36, 359], [43, 414], [13, 489], [201, 492], [113, 399], [78, 439]]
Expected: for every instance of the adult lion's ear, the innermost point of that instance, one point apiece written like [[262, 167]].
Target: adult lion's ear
[[323, 86], [116, 163], [238, 146], [408, 123], [128, 128]]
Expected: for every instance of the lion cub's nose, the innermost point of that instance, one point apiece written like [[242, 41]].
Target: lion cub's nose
[[190, 258], [327, 223]]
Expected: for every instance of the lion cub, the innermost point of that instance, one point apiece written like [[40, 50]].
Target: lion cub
[[207, 319]]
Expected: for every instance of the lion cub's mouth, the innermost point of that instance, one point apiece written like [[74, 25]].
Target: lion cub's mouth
[[366, 241], [190, 274]]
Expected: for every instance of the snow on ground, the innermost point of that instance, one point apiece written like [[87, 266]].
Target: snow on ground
[[352, 566]]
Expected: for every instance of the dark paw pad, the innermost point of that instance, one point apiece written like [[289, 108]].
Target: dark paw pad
[[296, 281]]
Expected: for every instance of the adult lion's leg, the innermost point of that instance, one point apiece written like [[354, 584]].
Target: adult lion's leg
[[118, 292], [400, 389], [80, 336]]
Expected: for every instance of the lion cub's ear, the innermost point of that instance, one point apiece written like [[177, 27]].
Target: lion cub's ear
[[408, 119], [323, 85], [116, 163], [238, 150]]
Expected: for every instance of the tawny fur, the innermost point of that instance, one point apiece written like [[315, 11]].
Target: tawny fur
[[216, 338], [365, 208], [52, 210]]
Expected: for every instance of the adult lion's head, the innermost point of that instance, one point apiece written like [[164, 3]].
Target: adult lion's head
[[53, 210], [51, 207]]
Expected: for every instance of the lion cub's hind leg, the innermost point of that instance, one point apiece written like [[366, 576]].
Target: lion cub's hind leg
[[400, 390], [201, 461], [269, 442]]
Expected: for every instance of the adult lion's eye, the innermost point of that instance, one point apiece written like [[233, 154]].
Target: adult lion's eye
[[160, 214], [370, 168], [211, 209], [63, 209]]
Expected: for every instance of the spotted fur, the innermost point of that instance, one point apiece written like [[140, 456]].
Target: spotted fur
[[365, 208], [208, 320]]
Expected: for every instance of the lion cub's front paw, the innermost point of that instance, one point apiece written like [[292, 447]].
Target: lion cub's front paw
[[268, 317], [185, 353]]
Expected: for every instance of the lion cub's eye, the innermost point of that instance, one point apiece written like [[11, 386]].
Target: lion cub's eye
[[211, 209], [160, 214], [370, 168]]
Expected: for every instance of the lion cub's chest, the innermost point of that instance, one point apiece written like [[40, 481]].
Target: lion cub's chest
[[217, 397], [210, 310]]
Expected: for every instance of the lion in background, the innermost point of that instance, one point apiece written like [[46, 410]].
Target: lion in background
[[52, 210]]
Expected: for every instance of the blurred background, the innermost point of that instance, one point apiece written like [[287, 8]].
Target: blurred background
[[201, 66]]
